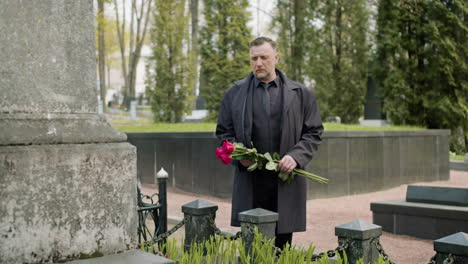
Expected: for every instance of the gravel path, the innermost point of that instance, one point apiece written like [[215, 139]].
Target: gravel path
[[325, 214]]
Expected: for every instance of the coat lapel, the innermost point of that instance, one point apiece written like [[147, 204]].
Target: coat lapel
[[244, 106], [289, 93]]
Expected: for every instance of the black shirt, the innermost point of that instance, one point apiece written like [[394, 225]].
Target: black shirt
[[266, 129], [266, 136]]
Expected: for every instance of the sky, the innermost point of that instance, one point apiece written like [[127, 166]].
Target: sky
[[261, 12]]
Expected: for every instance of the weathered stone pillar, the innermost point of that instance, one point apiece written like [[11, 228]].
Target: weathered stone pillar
[[361, 238], [264, 220], [201, 214], [453, 247], [67, 178]]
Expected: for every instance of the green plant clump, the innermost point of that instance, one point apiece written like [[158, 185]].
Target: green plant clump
[[218, 250]]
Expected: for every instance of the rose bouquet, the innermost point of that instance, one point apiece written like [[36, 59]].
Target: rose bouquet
[[237, 151]]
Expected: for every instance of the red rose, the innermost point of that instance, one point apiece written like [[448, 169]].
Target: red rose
[[219, 152], [228, 147], [226, 159]]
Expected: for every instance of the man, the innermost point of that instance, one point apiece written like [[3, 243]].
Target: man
[[276, 114]]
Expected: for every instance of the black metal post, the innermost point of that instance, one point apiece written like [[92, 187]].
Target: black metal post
[[162, 185]]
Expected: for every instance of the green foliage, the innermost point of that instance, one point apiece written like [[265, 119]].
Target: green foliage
[[170, 72], [453, 156], [340, 68], [422, 64], [296, 35], [224, 49], [324, 43], [217, 250]]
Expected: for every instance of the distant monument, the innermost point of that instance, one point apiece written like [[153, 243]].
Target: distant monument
[[373, 106], [67, 178]]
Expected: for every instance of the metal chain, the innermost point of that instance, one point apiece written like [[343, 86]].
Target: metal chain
[[168, 233], [380, 249], [449, 259], [342, 246], [433, 259], [219, 232]]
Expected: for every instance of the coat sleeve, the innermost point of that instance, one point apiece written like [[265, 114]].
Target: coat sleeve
[[311, 134], [225, 126]]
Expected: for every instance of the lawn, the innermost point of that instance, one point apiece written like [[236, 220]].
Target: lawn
[[455, 157], [148, 126]]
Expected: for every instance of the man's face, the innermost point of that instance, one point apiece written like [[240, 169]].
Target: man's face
[[263, 59]]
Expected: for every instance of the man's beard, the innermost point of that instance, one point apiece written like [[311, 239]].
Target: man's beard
[[265, 77]]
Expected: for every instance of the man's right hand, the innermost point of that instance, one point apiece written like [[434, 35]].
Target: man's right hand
[[246, 163]]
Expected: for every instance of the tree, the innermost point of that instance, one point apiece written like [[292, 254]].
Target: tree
[[130, 55], [101, 51], [224, 49], [422, 64], [296, 34], [108, 48], [194, 37], [171, 74], [324, 44]]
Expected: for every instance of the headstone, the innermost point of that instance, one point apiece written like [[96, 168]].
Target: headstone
[[437, 195], [427, 212], [67, 178], [100, 107], [133, 110], [373, 106], [374, 103], [333, 119]]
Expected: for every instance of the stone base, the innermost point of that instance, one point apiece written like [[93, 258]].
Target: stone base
[[130, 257], [459, 165], [41, 128], [373, 122], [427, 221], [66, 201]]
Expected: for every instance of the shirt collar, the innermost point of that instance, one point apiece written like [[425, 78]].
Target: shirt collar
[[275, 81]]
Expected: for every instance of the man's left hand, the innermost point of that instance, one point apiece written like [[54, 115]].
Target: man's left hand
[[287, 164]]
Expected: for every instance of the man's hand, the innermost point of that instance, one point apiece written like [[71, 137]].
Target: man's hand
[[246, 163], [287, 164]]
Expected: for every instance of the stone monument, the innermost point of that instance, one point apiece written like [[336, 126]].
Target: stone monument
[[67, 179]]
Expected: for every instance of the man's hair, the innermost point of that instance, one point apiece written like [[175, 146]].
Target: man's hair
[[260, 40]]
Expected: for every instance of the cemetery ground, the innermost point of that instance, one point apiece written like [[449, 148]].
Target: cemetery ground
[[324, 215]]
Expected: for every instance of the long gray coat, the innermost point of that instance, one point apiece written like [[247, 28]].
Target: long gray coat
[[300, 136]]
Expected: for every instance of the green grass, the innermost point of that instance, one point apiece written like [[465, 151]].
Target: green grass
[[455, 157], [148, 126], [166, 127], [340, 127]]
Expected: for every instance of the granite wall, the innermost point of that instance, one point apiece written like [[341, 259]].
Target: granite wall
[[354, 161]]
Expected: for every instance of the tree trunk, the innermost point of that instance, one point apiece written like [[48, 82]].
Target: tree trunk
[[194, 16], [298, 40], [101, 51]]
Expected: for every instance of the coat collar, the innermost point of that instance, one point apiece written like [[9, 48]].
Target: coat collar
[[246, 92], [289, 90]]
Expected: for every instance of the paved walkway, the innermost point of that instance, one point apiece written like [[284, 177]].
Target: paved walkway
[[325, 214]]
